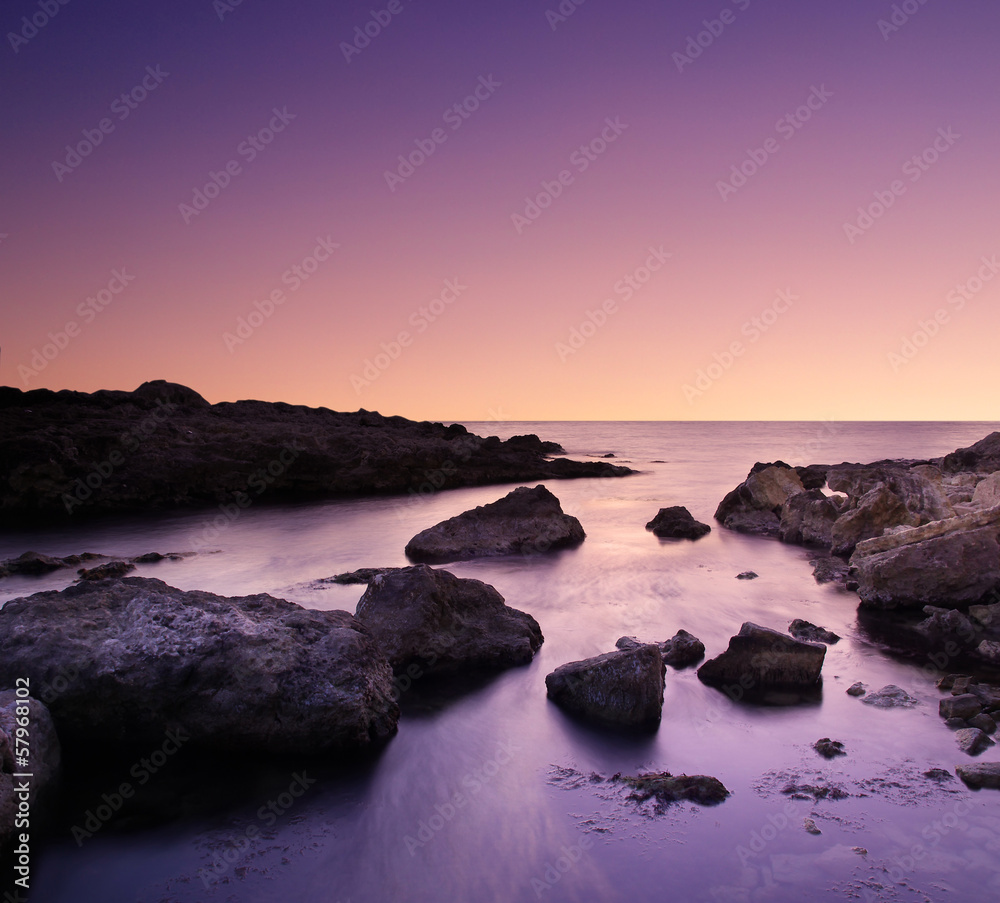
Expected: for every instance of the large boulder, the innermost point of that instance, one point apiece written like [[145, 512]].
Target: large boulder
[[755, 506], [234, 673], [431, 619], [760, 659], [983, 457], [987, 492], [877, 510], [526, 521], [954, 563], [677, 523], [42, 760], [808, 518], [622, 688]]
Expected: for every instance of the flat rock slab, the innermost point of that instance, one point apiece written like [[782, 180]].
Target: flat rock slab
[[235, 673], [429, 618], [524, 522], [677, 523], [760, 659], [621, 688]]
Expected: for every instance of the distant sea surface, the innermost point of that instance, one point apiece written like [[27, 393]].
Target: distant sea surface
[[486, 796]]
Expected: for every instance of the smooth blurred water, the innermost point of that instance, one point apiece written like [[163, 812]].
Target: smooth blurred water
[[513, 756]]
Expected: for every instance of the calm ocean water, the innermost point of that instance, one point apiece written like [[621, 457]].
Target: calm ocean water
[[528, 827]]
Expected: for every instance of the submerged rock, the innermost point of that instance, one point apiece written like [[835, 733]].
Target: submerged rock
[[526, 522], [665, 788], [803, 630], [677, 523], [621, 688], [428, 617], [890, 697], [235, 673], [759, 658], [829, 749]]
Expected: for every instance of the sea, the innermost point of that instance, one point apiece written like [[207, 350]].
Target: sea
[[489, 792]]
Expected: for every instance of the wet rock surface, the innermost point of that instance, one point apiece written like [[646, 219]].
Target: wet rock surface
[[677, 523]]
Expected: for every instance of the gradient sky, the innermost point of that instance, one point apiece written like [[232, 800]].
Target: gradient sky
[[504, 344]]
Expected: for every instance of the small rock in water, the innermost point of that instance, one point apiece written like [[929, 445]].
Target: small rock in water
[[973, 741], [698, 788], [677, 523], [891, 697], [829, 749], [856, 689], [104, 571], [861, 851], [803, 630], [810, 826], [747, 575], [361, 575]]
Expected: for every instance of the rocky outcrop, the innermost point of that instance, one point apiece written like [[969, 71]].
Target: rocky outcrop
[[442, 623], [677, 523], [620, 688], [755, 505], [807, 518], [983, 457], [524, 522], [955, 561], [72, 454], [760, 659], [36, 564], [234, 673], [19, 796], [680, 651]]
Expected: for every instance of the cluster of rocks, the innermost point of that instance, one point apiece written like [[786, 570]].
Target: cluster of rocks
[[910, 536], [70, 454], [36, 564], [971, 711]]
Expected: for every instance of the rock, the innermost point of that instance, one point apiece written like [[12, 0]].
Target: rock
[[815, 791], [987, 492], [107, 570], [917, 485], [531, 442], [986, 615], [666, 789], [682, 650], [891, 697], [526, 521], [944, 626], [856, 689], [33, 563], [948, 681], [803, 630], [44, 754], [964, 707], [980, 774], [828, 569], [983, 457], [877, 510], [829, 749], [984, 722], [810, 826], [621, 688], [813, 476], [989, 652], [939, 775], [747, 575], [962, 684], [808, 518], [955, 724], [247, 672], [442, 623], [755, 505], [957, 568], [677, 523], [361, 575], [759, 658], [178, 451], [971, 740]]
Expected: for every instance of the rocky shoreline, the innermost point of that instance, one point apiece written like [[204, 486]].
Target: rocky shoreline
[[69, 455]]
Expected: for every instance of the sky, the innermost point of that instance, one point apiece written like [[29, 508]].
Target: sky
[[744, 210]]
